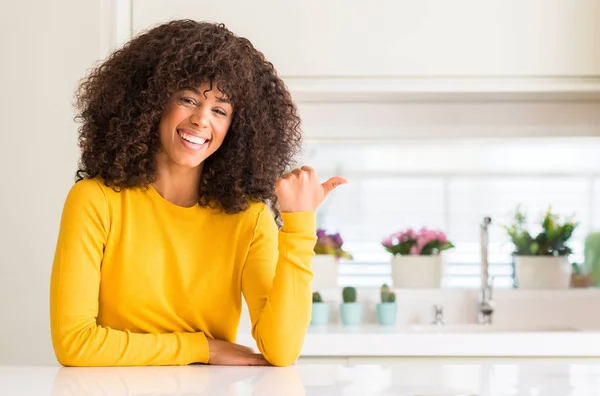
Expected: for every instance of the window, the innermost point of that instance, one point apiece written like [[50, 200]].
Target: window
[[452, 186]]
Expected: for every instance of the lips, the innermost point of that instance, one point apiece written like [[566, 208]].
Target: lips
[[191, 139]]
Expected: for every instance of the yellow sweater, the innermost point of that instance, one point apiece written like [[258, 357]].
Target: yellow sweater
[[137, 280]]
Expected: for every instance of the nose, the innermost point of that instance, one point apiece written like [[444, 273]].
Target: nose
[[199, 119]]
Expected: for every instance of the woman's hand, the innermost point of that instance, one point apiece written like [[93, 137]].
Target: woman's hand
[[301, 191], [224, 353]]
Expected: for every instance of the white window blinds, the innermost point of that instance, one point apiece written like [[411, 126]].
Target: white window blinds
[[452, 185]]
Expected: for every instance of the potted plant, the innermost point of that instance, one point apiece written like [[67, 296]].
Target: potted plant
[[386, 309], [325, 264], [351, 310], [320, 310], [417, 260], [580, 278], [541, 261]]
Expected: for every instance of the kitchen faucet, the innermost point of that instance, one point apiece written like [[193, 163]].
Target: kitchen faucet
[[486, 307]]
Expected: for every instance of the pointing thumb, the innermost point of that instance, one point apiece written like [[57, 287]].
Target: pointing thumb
[[332, 183]]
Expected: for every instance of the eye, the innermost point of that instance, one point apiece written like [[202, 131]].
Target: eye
[[188, 101], [219, 111]]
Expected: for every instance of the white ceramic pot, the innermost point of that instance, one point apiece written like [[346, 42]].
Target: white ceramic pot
[[417, 271], [543, 272], [326, 271]]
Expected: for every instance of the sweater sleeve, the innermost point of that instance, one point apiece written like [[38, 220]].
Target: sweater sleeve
[[276, 284], [74, 297]]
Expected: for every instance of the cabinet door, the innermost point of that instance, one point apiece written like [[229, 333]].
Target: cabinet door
[[405, 38]]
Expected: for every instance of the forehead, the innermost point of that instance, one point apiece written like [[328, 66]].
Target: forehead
[[207, 89]]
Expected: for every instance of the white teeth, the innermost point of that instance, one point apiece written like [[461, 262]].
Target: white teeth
[[190, 138]]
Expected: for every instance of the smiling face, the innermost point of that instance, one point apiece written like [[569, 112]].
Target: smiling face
[[193, 125]]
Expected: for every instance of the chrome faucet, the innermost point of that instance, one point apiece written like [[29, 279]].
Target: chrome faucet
[[486, 306], [438, 315]]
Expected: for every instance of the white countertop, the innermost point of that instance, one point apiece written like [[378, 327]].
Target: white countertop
[[446, 341], [405, 377]]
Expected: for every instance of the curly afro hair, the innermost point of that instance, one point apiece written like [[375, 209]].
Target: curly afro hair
[[120, 103]]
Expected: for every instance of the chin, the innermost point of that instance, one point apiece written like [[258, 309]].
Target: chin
[[190, 163]]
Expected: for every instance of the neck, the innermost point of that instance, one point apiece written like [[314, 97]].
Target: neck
[[178, 185]]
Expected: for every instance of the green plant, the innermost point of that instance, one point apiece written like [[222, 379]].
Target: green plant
[[349, 294], [316, 297], [387, 296], [551, 241], [331, 244]]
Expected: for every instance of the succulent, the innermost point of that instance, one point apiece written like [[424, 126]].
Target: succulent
[[316, 298], [387, 295], [551, 241], [349, 294]]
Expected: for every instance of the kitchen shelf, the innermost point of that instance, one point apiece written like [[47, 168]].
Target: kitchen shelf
[[392, 89]]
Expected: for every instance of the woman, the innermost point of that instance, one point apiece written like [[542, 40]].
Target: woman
[[186, 134]]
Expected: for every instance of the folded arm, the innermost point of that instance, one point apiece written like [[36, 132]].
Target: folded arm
[[74, 297]]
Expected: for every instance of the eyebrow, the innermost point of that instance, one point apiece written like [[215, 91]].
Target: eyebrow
[[220, 99]]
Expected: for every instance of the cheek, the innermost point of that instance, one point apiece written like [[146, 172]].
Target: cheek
[[173, 115], [223, 129]]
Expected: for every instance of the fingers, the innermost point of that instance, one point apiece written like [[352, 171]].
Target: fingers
[[301, 191], [332, 183], [259, 360], [297, 171], [248, 349], [254, 358]]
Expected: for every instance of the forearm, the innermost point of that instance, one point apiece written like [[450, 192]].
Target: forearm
[[91, 345], [281, 327]]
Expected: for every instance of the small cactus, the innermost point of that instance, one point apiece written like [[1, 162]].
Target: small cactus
[[316, 297], [349, 294], [387, 295]]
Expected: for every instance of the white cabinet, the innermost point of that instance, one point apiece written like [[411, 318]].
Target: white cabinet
[[347, 46]]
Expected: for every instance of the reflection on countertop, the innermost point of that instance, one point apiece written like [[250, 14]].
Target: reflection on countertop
[[364, 377]]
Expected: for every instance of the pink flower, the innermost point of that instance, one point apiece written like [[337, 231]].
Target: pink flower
[[442, 237], [413, 242]]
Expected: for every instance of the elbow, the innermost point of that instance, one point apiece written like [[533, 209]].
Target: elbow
[[281, 354], [282, 359], [70, 353], [281, 345], [70, 358]]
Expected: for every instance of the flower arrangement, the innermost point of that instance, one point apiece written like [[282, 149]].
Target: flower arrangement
[[424, 242], [330, 244], [550, 241]]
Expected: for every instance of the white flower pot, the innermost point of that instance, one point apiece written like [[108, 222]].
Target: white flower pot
[[543, 272], [417, 271], [325, 268]]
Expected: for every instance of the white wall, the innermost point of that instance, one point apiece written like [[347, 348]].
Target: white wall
[[46, 48]]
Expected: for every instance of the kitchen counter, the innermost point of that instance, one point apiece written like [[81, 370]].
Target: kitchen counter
[[526, 323], [446, 341], [415, 376]]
